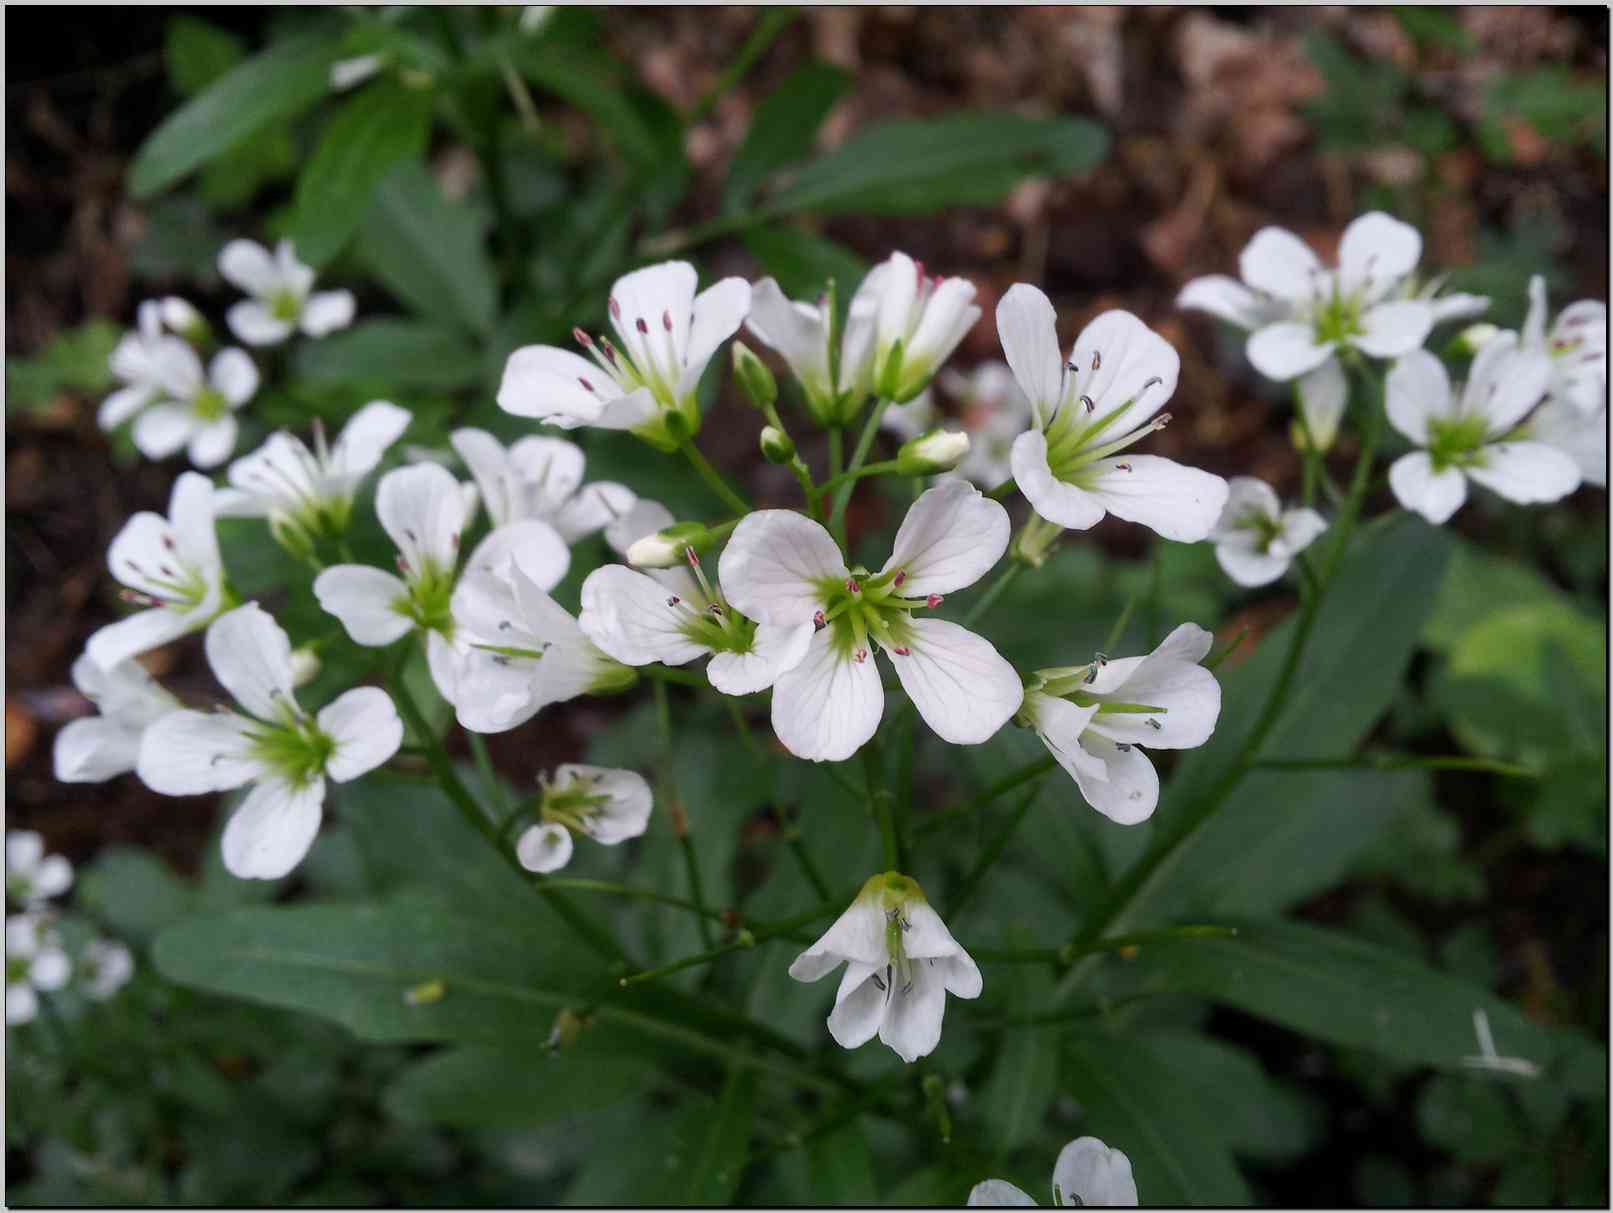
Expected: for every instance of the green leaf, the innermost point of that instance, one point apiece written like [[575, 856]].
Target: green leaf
[[841, 1167], [719, 1162], [919, 165], [198, 53], [134, 890], [1024, 1080], [428, 251], [75, 361], [1257, 1117], [803, 262], [594, 84], [483, 1088], [383, 124], [280, 82], [392, 353], [783, 128], [1338, 989]]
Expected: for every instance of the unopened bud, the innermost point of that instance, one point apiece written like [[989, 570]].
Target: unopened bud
[[1474, 338], [937, 451], [754, 378], [304, 666], [667, 547], [777, 446], [178, 316]]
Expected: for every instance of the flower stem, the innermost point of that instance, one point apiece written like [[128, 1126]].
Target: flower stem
[[993, 852], [1001, 788], [847, 477], [667, 794], [1399, 762], [584, 884], [865, 441], [748, 938], [880, 803], [993, 592], [663, 673], [771, 23], [713, 481]]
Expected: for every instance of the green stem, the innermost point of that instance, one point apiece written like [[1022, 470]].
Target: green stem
[[993, 592], [880, 804], [747, 939], [848, 477], [1398, 762], [1002, 787], [803, 858], [664, 673], [865, 441], [713, 481], [667, 794], [584, 884], [837, 460], [489, 774], [994, 852], [773, 22], [1119, 629]]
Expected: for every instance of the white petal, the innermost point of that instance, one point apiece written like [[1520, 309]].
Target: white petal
[[858, 935], [366, 437], [960, 684], [719, 310], [1526, 472], [544, 848], [666, 289], [548, 470], [948, 316], [543, 553], [1247, 565], [774, 565], [1581, 436], [1394, 328], [249, 266], [626, 814], [187, 753], [445, 661], [294, 275], [1416, 390], [1180, 503], [1169, 678], [1280, 264], [950, 538], [1090, 1173], [95, 750], [859, 1008], [1129, 793], [1375, 253], [178, 369], [645, 517], [121, 405], [1436, 496], [829, 704], [1505, 383], [1060, 723], [797, 333], [163, 429], [365, 727], [211, 444], [596, 506], [1052, 498], [22, 1004], [912, 1023], [139, 633], [365, 600], [898, 292], [554, 385], [326, 311], [50, 969], [1457, 306], [1121, 363], [776, 648], [1225, 298], [1286, 350], [255, 324], [624, 412], [423, 511], [53, 877], [924, 933], [24, 850], [1246, 496], [1300, 529], [272, 829], [998, 1193], [1323, 393], [233, 373], [251, 656], [633, 618]]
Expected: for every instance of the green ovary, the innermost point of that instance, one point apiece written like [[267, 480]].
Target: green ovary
[[429, 599], [1455, 442], [875, 612], [210, 404], [298, 750], [285, 307], [1337, 320]]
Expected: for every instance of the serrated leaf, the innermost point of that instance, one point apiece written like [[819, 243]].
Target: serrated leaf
[[784, 128]]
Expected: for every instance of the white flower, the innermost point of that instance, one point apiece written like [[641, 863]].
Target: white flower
[[1301, 314], [306, 494], [936, 451], [196, 409], [171, 565], [520, 650], [1580, 435], [1256, 539], [1090, 408], [283, 296], [782, 568], [104, 968], [1097, 719], [1457, 305], [35, 963], [835, 381], [540, 478], [33, 877], [901, 962], [668, 335], [1471, 438], [181, 318], [1576, 345], [141, 361], [918, 321], [275, 746], [98, 748], [1322, 395], [603, 803], [1087, 1173]]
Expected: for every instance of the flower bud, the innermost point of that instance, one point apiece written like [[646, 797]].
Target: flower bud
[[1474, 338], [665, 548], [937, 451], [757, 381], [305, 666], [777, 446], [178, 316]]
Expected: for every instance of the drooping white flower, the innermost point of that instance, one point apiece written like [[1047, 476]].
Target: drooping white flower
[[1256, 539], [1322, 395], [307, 494], [782, 568], [1087, 1173], [104, 967], [97, 748], [35, 964], [1576, 345], [1301, 314], [273, 744], [1582, 436], [835, 381], [1471, 437], [901, 963], [283, 297], [519, 649], [668, 335], [603, 803], [33, 877], [142, 361], [196, 408], [1098, 719], [540, 478], [1087, 410], [169, 564]]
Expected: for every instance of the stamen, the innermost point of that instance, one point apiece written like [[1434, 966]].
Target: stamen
[[582, 338], [666, 321], [641, 326], [818, 621], [610, 350], [1123, 747], [1097, 359], [586, 386], [860, 656], [852, 587], [1161, 421], [1091, 407], [1151, 383], [1155, 725], [901, 576], [673, 600], [691, 556], [403, 564], [716, 609], [902, 650], [1123, 467], [504, 625], [933, 601], [615, 309]]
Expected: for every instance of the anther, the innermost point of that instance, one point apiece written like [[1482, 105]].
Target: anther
[[168, 542], [1124, 467], [610, 351], [586, 386], [640, 325], [716, 609], [1097, 359], [902, 650], [1101, 658], [1123, 747], [666, 321], [504, 625], [852, 587], [1155, 725], [1090, 406], [933, 601], [818, 621], [582, 338], [403, 565], [1162, 421], [860, 656], [901, 576], [1152, 382], [673, 601], [691, 555], [615, 309]]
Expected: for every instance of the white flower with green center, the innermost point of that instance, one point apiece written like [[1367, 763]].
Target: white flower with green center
[[602, 803], [273, 744], [170, 565], [33, 877], [283, 297], [520, 650], [1474, 436], [143, 361], [35, 964], [196, 409], [833, 367], [307, 495], [1087, 1173], [98, 748], [668, 334], [1256, 539], [901, 963], [1087, 410], [540, 478], [781, 568], [104, 967], [1098, 719], [1577, 346]]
